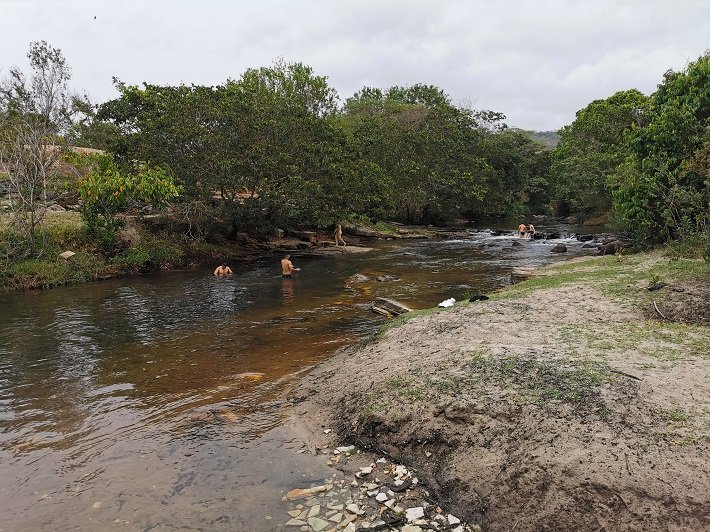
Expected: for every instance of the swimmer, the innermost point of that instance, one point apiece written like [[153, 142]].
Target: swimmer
[[287, 268], [223, 270]]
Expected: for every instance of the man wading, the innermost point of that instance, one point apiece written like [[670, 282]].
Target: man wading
[[287, 268]]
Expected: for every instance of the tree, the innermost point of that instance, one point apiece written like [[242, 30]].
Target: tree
[[664, 189], [591, 149], [106, 191], [35, 116]]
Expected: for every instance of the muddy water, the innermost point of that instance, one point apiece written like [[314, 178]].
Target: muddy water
[[158, 402]]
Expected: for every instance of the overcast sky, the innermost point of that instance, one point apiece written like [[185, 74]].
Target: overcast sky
[[537, 61]]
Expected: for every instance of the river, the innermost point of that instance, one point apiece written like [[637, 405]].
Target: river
[[157, 402]]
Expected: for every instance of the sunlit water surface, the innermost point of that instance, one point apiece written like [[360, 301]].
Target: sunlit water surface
[[157, 402]]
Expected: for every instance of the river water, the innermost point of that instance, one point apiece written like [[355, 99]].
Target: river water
[[157, 402]]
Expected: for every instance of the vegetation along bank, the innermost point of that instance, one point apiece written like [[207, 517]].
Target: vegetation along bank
[[277, 149]]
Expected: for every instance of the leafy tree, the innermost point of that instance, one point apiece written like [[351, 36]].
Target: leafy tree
[[591, 149], [663, 191], [106, 191], [425, 145]]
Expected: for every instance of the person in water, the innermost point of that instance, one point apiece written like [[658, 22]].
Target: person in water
[[339, 235], [531, 231], [287, 268], [223, 270], [522, 229]]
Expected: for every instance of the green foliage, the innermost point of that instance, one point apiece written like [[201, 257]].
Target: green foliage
[[151, 253], [106, 191], [591, 150], [663, 190]]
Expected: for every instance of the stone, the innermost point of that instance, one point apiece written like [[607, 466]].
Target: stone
[[327, 431], [318, 524], [453, 520], [314, 511], [67, 255], [295, 522], [359, 278], [97, 505], [345, 449], [336, 518], [559, 248], [414, 513], [294, 513], [386, 278], [411, 528], [354, 509], [381, 497], [337, 507], [350, 528], [300, 493], [363, 471]]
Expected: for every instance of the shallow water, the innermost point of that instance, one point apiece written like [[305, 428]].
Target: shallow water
[[158, 402]]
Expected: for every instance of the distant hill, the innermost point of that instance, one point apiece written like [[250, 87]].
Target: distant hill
[[548, 138]]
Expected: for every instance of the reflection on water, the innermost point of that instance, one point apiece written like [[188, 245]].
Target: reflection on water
[[157, 400]]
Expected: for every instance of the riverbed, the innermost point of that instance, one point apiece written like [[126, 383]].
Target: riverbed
[[159, 401]]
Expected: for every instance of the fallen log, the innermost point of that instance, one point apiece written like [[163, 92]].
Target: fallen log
[[388, 307]]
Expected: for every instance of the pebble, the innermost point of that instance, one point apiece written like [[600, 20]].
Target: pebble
[[346, 505], [414, 513], [453, 520], [318, 524]]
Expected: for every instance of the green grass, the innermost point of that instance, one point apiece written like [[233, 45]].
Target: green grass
[[661, 340]]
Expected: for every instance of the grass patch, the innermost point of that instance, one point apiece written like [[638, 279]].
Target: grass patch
[[661, 340], [540, 382], [404, 318]]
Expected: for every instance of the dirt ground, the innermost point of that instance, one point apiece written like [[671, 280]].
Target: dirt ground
[[563, 403]]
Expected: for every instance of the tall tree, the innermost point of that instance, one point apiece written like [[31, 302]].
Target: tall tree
[[591, 149], [664, 189], [36, 115]]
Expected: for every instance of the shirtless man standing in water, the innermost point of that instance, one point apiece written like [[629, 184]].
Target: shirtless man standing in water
[[287, 268], [223, 270]]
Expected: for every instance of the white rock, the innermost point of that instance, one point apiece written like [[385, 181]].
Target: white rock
[[97, 505], [411, 528], [460, 529], [336, 518], [294, 513], [381, 460], [318, 524], [354, 509], [336, 506], [428, 454], [447, 303], [372, 493], [345, 449], [414, 513], [350, 528], [370, 486], [363, 472], [295, 522], [381, 497], [314, 511], [327, 431], [400, 471], [67, 254], [390, 503], [354, 484], [453, 520]]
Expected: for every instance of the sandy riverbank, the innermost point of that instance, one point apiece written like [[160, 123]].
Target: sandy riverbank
[[564, 402]]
